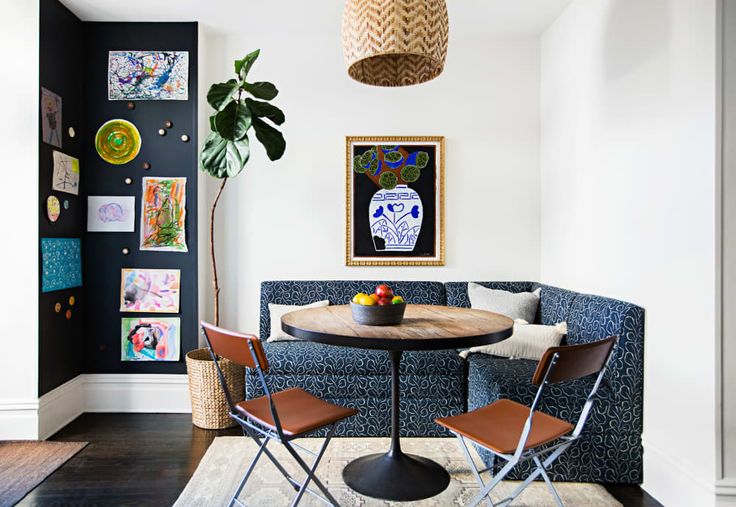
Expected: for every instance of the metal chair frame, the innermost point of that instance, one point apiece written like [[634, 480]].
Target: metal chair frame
[[262, 435], [543, 456]]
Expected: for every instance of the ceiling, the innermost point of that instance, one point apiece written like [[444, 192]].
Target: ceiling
[[476, 17]]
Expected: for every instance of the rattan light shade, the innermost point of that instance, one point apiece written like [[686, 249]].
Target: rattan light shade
[[394, 42]]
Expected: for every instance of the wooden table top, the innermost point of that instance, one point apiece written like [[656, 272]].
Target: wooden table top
[[425, 327]]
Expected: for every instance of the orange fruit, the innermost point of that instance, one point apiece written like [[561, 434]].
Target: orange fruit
[[375, 297]]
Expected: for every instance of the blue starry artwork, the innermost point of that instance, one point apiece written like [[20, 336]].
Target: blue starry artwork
[[61, 260]]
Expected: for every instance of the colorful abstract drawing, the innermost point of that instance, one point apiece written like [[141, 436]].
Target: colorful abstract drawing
[[118, 141], [148, 75], [149, 290], [61, 260], [53, 208], [66, 173], [110, 213], [50, 118], [163, 212], [150, 339]]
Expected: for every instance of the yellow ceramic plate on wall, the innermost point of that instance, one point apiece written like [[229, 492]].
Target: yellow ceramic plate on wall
[[118, 141]]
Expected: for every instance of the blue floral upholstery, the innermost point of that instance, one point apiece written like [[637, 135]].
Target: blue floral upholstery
[[432, 382], [613, 433], [439, 383]]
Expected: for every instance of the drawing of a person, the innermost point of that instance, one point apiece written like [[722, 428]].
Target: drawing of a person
[[51, 110]]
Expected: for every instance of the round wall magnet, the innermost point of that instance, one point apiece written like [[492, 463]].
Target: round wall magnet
[[162, 132], [184, 138], [66, 204], [57, 307], [128, 181], [125, 251], [68, 314], [168, 124], [118, 141], [53, 208], [72, 300], [72, 132], [131, 105], [146, 165]]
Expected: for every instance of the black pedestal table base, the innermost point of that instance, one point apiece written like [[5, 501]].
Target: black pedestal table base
[[396, 475]]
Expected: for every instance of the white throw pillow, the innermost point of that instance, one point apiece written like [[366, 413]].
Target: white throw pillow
[[521, 305], [278, 311], [529, 341]]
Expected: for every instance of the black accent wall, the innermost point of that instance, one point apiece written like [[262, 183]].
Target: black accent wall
[[73, 60]]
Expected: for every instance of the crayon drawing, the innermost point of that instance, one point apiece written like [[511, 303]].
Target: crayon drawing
[[148, 75], [149, 290], [150, 339], [108, 213], [163, 213], [66, 173], [61, 262], [50, 118]]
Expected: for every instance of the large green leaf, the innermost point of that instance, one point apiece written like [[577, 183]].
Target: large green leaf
[[238, 153], [222, 158], [265, 110], [219, 93], [243, 66], [261, 90], [233, 121], [270, 138]]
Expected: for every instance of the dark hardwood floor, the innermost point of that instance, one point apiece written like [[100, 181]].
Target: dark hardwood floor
[[147, 459]]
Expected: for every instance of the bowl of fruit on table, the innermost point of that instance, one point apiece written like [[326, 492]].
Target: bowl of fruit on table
[[382, 308]]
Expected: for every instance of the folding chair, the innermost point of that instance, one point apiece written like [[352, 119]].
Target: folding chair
[[282, 416], [517, 433]]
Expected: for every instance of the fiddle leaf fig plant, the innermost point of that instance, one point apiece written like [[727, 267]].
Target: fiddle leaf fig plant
[[226, 149]]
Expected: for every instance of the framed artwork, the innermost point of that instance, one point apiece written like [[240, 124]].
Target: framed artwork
[[61, 263], [66, 173], [108, 213], [148, 75], [150, 339], [149, 290], [163, 214], [51, 118], [395, 205]]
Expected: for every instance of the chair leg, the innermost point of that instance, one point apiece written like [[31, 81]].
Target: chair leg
[[311, 476], [486, 491], [253, 462], [551, 487]]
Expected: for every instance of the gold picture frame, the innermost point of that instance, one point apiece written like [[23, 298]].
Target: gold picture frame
[[368, 243]]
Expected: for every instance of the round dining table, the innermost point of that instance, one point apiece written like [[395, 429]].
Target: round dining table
[[395, 475]]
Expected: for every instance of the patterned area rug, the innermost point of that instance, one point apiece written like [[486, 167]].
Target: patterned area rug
[[25, 464], [225, 462]]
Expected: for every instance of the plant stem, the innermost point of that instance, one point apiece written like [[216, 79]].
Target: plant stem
[[215, 285]]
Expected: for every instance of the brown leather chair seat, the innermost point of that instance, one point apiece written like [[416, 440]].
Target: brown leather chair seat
[[498, 426], [299, 412]]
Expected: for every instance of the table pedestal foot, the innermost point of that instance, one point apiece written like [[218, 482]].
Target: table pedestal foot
[[400, 477]]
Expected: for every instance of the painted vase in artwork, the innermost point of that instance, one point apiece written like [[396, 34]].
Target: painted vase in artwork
[[395, 217]]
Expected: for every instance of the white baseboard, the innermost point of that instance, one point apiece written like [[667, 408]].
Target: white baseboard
[[60, 406], [673, 485], [40, 418], [136, 393], [726, 492], [19, 419]]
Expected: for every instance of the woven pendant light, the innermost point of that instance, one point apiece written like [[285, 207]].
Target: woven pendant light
[[394, 42]]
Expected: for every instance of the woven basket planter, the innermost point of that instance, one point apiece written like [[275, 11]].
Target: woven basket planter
[[209, 405], [394, 42]]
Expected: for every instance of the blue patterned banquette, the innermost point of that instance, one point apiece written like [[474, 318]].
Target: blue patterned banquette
[[440, 383]]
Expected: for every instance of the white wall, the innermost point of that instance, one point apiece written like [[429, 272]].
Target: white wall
[[19, 209], [287, 220], [628, 204]]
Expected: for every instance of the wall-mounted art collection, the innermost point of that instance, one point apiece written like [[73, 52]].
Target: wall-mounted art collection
[[163, 213], [149, 290], [150, 339], [395, 201], [148, 75], [107, 213], [50, 118]]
